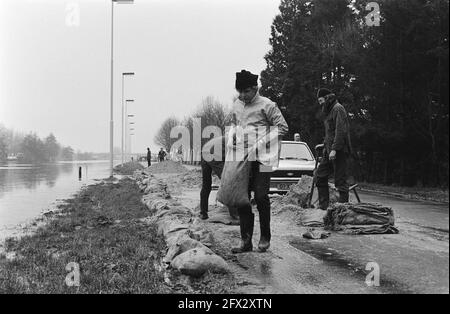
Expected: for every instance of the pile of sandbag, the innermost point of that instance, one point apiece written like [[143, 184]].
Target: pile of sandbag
[[294, 205], [360, 218], [187, 239], [298, 193]]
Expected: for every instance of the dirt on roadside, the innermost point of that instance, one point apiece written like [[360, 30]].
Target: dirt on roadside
[[168, 166], [294, 264]]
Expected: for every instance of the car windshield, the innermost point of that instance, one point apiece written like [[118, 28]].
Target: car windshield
[[295, 151]]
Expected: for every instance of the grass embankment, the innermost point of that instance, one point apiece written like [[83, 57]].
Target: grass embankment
[[100, 230], [415, 193]]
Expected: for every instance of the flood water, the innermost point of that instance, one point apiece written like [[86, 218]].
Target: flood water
[[27, 190]]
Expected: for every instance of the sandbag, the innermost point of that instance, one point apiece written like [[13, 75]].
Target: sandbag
[[312, 217], [233, 191], [197, 261], [313, 234], [183, 244], [361, 218]]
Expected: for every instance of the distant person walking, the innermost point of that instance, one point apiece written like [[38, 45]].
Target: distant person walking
[[161, 155], [149, 157]]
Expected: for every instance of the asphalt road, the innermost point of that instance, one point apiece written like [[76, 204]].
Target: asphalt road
[[414, 261]]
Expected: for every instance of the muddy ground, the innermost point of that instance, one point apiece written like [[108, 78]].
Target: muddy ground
[[102, 229], [413, 261]]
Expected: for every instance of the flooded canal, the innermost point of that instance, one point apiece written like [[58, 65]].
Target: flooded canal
[[27, 190]]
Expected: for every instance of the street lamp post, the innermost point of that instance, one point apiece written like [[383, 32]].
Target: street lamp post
[[126, 125], [123, 114], [131, 134], [111, 122], [129, 126]]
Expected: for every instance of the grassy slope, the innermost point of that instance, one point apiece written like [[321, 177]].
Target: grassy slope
[[98, 229]]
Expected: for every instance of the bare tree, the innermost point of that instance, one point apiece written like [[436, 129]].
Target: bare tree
[[162, 138], [212, 113]]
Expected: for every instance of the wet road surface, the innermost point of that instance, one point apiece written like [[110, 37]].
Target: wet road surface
[[414, 261]]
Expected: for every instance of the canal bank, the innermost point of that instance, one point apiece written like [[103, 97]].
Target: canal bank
[[103, 233], [29, 190]]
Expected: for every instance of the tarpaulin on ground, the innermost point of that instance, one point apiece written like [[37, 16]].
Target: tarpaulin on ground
[[312, 217], [361, 218]]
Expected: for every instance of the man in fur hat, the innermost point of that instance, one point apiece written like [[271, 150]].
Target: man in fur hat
[[337, 148], [253, 112]]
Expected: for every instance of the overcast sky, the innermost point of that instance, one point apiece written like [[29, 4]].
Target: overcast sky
[[55, 74]]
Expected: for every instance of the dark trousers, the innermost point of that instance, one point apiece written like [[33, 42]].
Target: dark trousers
[[259, 183], [149, 162], [206, 187], [208, 168], [338, 168]]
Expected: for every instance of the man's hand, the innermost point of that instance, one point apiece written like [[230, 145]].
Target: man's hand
[[332, 155]]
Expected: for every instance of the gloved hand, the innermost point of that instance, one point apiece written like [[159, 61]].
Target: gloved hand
[[332, 155]]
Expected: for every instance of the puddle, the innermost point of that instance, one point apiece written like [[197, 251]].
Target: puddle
[[352, 267]]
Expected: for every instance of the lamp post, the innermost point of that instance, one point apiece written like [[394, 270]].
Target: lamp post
[[129, 137], [126, 124], [131, 130], [123, 114], [111, 122]]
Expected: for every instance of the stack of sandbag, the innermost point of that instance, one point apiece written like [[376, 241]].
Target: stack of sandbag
[[294, 205], [187, 239], [360, 218], [299, 193]]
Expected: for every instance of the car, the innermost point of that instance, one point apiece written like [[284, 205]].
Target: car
[[296, 160]]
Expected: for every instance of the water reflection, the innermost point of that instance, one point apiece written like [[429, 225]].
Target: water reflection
[[26, 190], [30, 177]]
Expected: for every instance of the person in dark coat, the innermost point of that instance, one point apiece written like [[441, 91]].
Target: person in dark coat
[[212, 161], [149, 157], [337, 148], [161, 155]]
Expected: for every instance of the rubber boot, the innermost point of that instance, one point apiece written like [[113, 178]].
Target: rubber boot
[[263, 244], [246, 223], [324, 197], [203, 215], [343, 196], [264, 224]]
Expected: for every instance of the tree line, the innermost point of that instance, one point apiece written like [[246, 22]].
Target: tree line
[[210, 112], [390, 74], [392, 79], [32, 149]]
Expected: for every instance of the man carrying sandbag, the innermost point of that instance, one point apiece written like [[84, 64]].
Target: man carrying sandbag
[[254, 112]]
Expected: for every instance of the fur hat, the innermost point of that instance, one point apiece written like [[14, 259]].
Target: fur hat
[[246, 79], [322, 92]]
